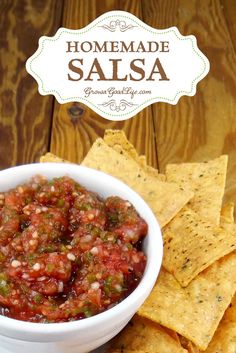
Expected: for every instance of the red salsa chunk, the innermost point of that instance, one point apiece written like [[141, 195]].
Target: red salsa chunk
[[65, 253]]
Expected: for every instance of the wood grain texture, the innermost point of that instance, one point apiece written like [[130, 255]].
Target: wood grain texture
[[75, 126], [229, 11], [25, 115], [204, 126]]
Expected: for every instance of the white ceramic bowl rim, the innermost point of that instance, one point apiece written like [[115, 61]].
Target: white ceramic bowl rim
[[149, 276]]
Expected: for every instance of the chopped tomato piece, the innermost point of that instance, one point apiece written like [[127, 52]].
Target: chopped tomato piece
[[65, 253]]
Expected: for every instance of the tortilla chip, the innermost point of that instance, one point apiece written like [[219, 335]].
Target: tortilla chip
[[165, 199], [117, 140], [121, 350], [145, 336], [224, 340], [188, 345], [192, 348], [227, 213], [50, 157], [207, 180], [230, 314], [195, 311], [154, 172], [142, 161], [172, 334], [191, 244]]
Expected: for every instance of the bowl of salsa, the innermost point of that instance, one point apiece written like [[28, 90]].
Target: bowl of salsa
[[79, 253]]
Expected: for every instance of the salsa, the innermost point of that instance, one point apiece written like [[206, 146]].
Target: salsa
[[66, 253]]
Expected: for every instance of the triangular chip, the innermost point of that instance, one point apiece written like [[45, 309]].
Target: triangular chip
[[50, 157], [227, 213], [188, 345], [122, 350], [154, 172], [142, 160], [172, 334], [207, 180], [224, 340], [194, 311], [117, 140], [165, 199], [191, 244], [145, 336]]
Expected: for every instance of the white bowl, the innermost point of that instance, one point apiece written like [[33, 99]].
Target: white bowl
[[87, 334]]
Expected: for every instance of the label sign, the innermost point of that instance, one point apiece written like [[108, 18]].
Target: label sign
[[118, 65]]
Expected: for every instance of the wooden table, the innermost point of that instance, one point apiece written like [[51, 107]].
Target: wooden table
[[196, 129]]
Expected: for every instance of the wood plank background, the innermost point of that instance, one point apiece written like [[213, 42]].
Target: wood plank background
[[196, 129], [25, 115]]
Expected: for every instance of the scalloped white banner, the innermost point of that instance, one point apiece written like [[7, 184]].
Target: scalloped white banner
[[118, 65]]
